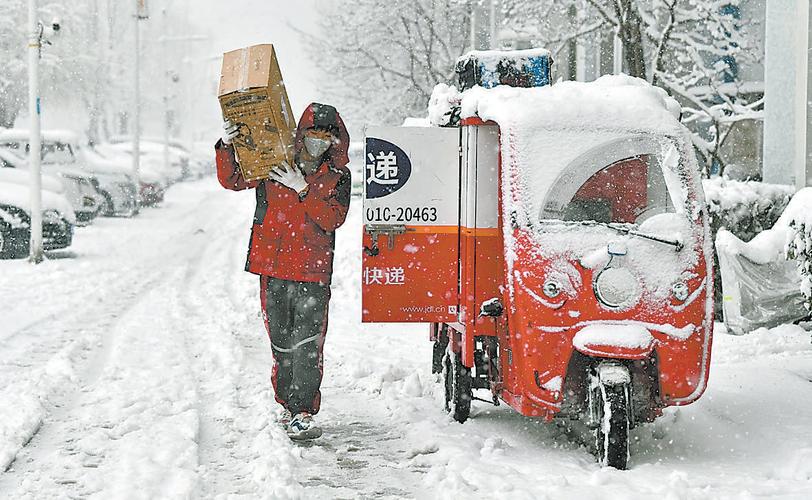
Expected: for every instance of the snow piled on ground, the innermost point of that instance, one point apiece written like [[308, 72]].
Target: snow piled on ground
[[139, 364]]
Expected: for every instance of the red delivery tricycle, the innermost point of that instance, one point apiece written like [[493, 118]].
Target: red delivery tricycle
[[557, 241]]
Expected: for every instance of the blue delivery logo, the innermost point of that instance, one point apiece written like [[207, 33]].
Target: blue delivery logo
[[387, 168]]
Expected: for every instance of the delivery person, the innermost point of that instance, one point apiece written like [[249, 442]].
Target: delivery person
[[299, 207]]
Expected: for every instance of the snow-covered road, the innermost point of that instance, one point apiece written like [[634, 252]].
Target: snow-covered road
[[136, 366]]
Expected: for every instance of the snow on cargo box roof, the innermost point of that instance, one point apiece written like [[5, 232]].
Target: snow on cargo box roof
[[494, 56], [617, 102]]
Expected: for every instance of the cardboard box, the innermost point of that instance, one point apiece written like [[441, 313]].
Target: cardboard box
[[252, 94]]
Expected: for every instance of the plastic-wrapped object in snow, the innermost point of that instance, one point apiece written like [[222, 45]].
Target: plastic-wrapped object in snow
[[515, 68], [761, 287], [756, 294]]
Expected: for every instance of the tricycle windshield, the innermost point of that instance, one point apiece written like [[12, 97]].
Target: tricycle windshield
[[611, 193], [628, 191], [625, 180]]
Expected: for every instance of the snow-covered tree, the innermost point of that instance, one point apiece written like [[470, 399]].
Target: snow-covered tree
[[69, 68], [380, 59], [692, 48], [12, 55], [86, 74]]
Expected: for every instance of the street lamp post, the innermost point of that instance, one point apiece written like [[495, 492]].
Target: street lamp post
[[35, 140], [168, 79], [141, 13]]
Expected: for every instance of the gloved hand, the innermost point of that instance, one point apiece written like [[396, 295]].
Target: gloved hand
[[230, 131], [289, 176]]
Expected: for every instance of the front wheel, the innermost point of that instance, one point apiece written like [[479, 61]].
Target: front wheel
[[458, 391], [13, 244], [108, 208], [611, 413]]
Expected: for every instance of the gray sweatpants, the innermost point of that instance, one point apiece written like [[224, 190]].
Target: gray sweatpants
[[296, 318]]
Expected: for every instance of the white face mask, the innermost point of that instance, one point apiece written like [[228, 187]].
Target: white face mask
[[317, 147]]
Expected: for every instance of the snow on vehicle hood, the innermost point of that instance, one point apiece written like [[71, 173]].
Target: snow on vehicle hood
[[51, 135], [98, 164], [149, 174], [23, 177], [19, 196]]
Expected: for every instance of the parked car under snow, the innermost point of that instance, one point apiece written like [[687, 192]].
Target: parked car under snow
[[77, 185], [117, 192], [152, 179], [58, 218], [153, 152]]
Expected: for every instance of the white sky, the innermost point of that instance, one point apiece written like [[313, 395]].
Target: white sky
[[240, 23]]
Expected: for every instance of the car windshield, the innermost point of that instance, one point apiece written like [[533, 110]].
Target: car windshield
[[57, 152]]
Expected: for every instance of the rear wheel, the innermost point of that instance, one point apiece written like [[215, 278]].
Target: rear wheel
[[438, 350], [611, 406], [458, 392]]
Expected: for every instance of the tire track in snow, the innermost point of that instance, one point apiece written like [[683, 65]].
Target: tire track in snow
[[360, 453], [58, 445], [78, 353], [363, 452], [239, 452]]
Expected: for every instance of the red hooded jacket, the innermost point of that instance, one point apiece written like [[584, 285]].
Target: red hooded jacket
[[292, 238]]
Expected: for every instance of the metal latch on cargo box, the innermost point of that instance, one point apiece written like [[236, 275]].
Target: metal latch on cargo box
[[390, 231]]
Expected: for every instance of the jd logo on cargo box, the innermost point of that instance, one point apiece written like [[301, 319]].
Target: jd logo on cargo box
[[388, 168]]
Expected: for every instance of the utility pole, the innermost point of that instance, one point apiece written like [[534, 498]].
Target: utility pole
[[494, 36], [786, 75], [617, 52], [169, 78], [141, 13], [165, 68], [35, 141]]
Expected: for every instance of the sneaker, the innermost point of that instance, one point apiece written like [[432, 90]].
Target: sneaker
[[302, 427], [284, 420]]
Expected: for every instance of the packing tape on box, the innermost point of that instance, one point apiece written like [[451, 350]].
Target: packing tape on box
[[243, 85]]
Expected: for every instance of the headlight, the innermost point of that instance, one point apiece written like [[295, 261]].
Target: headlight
[[617, 287], [680, 291], [551, 289]]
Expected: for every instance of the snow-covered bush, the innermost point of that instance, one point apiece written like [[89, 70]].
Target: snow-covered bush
[[800, 250], [799, 246], [743, 208]]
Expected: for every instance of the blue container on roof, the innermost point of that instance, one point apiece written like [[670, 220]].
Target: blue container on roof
[[515, 68]]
